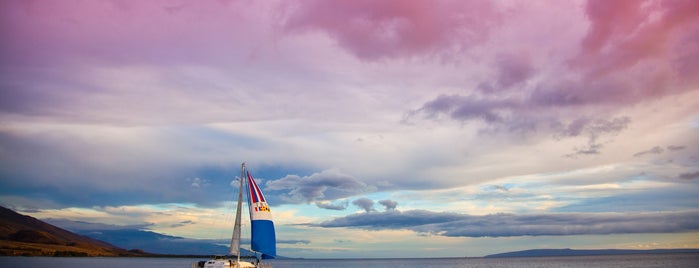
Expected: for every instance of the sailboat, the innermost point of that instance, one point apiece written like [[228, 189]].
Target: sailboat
[[263, 240]]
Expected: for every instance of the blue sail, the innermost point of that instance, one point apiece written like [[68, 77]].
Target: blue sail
[[262, 230]]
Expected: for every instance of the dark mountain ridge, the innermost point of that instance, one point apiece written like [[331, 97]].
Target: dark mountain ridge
[[27, 236]]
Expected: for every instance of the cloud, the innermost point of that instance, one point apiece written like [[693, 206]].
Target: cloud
[[182, 223], [589, 149], [364, 203], [140, 116], [643, 53], [508, 111], [294, 241], [57, 31], [514, 116], [508, 225], [198, 182], [659, 150], [326, 185], [373, 30], [593, 129], [512, 70], [642, 33], [88, 226], [654, 150], [676, 148], [391, 219], [689, 175], [464, 108], [333, 206], [389, 204], [76, 169]]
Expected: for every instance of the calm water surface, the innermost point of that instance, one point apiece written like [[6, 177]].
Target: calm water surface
[[621, 261]]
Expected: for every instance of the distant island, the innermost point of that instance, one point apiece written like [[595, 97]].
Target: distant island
[[585, 252]]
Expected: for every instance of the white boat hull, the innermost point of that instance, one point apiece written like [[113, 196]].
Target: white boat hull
[[227, 263]]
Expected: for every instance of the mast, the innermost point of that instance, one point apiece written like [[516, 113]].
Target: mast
[[235, 241]]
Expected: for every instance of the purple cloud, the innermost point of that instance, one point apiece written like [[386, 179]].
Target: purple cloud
[[326, 185], [513, 116], [508, 225], [464, 108], [389, 204], [654, 150], [512, 70], [333, 206], [364, 203], [676, 148], [689, 175]]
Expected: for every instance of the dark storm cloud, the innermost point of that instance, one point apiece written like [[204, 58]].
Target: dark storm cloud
[[326, 185], [507, 225]]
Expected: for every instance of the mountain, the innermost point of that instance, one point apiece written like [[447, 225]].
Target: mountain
[[26, 236], [585, 252], [158, 243], [135, 237]]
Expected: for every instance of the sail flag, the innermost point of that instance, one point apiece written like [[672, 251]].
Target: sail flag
[[262, 229]]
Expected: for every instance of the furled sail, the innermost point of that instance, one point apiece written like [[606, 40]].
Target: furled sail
[[235, 240]]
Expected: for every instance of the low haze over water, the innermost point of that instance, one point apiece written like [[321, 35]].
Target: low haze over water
[[642, 261]]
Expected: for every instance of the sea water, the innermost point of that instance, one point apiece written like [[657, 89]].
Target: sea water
[[621, 261]]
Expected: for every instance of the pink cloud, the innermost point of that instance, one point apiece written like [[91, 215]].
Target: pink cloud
[[115, 31], [633, 52], [396, 28], [608, 19], [650, 40]]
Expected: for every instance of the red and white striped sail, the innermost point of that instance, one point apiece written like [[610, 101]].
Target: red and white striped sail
[[263, 239]]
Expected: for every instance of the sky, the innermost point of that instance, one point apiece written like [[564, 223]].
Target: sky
[[394, 128]]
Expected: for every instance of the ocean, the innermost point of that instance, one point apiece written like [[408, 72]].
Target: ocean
[[687, 260]]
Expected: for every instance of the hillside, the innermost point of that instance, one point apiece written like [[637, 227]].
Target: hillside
[[135, 236], [22, 235], [158, 243]]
